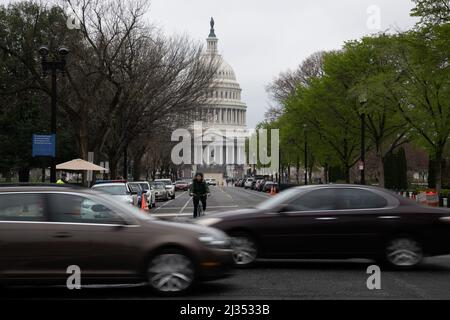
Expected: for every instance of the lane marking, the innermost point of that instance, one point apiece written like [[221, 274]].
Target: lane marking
[[182, 209], [256, 194], [210, 207], [176, 215], [170, 201]]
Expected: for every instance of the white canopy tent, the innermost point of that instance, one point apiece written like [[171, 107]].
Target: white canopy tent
[[79, 165]]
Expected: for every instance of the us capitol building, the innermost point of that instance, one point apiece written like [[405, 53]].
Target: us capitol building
[[223, 111]]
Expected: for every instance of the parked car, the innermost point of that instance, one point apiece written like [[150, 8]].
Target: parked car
[[248, 183], [260, 185], [337, 222], [115, 189], [43, 230], [137, 193], [161, 193], [238, 183], [170, 187], [212, 182], [150, 195], [181, 185]]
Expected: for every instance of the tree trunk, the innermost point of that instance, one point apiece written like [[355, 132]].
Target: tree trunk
[[438, 169], [113, 168], [24, 175], [380, 167], [84, 140], [7, 175], [347, 174], [137, 168]]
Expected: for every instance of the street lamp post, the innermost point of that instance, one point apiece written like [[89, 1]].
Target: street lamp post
[[280, 167], [362, 166], [53, 66], [306, 153]]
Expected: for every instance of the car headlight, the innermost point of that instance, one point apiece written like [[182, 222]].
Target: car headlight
[[213, 241], [208, 221]]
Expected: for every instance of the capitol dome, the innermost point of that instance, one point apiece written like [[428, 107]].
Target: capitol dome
[[225, 71], [224, 108]]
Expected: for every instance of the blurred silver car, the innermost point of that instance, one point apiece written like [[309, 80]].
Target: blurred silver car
[[117, 190], [170, 187], [150, 194], [160, 190]]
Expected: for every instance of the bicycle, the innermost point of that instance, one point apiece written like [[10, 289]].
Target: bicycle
[[200, 211]]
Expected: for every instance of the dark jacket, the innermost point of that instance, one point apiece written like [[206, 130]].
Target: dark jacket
[[199, 188]]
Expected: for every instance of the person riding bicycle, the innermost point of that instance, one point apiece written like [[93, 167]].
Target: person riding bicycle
[[199, 190]]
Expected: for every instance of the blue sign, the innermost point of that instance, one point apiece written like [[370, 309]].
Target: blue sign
[[44, 145]]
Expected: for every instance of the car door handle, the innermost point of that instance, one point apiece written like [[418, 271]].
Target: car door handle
[[326, 219], [62, 235], [389, 217]]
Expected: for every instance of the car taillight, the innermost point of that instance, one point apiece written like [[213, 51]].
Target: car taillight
[[445, 219]]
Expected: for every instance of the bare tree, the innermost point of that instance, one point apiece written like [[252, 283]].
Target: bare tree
[[283, 86], [126, 77]]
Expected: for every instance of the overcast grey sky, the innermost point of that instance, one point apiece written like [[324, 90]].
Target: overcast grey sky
[[261, 38]]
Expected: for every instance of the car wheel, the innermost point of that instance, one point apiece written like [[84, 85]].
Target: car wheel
[[245, 249], [171, 273], [403, 253]]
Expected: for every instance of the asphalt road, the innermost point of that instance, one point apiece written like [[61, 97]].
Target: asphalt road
[[298, 279]]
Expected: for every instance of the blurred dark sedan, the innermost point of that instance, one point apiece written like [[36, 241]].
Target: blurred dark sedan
[[44, 230], [337, 221]]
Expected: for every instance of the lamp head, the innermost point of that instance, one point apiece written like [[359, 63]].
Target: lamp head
[[43, 51], [63, 51]]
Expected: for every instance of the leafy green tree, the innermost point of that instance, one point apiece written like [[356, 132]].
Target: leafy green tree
[[365, 68], [432, 12], [323, 108], [423, 90]]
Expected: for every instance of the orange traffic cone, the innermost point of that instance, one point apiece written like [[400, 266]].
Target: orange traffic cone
[[144, 204], [272, 191]]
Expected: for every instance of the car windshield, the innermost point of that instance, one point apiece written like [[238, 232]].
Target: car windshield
[[144, 186], [283, 198], [135, 188], [119, 190], [159, 186]]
